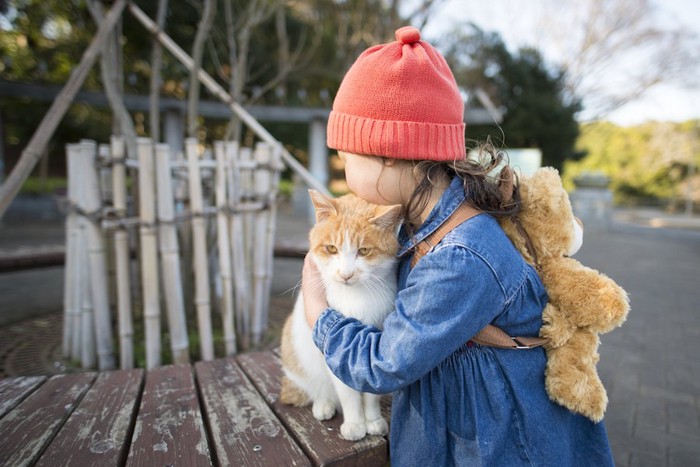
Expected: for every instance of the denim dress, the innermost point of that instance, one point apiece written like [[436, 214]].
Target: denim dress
[[454, 402]]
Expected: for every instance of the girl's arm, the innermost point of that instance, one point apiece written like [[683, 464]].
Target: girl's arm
[[436, 313]]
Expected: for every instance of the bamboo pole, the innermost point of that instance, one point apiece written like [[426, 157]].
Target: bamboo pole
[[72, 296], [261, 188], [225, 97], [237, 240], [276, 168], [149, 253], [107, 193], [170, 258], [34, 150], [246, 163], [222, 221], [87, 324], [184, 230], [97, 258], [122, 256], [201, 271]]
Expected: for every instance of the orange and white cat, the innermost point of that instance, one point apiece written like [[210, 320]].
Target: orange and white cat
[[354, 246]]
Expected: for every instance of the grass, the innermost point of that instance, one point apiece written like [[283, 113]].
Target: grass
[[37, 186]]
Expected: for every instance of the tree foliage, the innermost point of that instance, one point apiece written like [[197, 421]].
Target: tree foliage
[[536, 114], [649, 161]]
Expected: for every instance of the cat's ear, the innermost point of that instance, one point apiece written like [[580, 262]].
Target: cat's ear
[[387, 216], [323, 205]]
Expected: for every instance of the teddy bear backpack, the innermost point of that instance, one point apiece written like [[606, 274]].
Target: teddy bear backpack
[[583, 303]]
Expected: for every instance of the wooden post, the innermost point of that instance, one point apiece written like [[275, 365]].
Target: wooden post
[[98, 264], [201, 271], [149, 253], [72, 295], [122, 255], [238, 247], [170, 258], [222, 235]]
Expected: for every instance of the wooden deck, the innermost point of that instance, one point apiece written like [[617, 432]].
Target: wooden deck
[[223, 412]]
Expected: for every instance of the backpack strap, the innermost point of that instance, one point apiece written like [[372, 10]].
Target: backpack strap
[[491, 335], [463, 213]]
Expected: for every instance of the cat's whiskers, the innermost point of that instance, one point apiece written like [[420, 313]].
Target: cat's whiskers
[[293, 289], [375, 285]]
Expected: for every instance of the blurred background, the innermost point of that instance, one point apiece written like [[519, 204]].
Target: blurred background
[[607, 91]]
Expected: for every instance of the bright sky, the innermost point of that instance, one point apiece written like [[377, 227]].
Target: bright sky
[[517, 24]]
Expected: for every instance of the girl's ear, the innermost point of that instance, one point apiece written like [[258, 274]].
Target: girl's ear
[[387, 216], [323, 205]]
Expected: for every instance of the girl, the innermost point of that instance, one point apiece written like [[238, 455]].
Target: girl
[[397, 121]]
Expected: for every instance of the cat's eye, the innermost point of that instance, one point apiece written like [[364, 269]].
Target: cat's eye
[[364, 251], [331, 249]]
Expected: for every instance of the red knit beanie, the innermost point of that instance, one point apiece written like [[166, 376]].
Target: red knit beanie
[[399, 100]]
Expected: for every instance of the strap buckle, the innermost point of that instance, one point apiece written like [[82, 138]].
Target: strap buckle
[[520, 345], [529, 342]]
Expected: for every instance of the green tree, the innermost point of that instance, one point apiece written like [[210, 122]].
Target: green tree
[[536, 113], [644, 162]]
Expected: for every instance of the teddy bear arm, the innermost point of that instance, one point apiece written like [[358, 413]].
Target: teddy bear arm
[[555, 326], [585, 296]]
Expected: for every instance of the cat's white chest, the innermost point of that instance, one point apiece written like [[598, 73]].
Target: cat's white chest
[[368, 304]]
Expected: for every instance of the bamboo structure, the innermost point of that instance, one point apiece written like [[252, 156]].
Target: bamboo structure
[[199, 238], [222, 235], [102, 279], [97, 258], [170, 257], [122, 255], [149, 253], [234, 195], [261, 186], [71, 291], [238, 250], [86, 329]]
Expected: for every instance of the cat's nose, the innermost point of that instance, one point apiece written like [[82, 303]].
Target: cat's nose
[[345, 275]]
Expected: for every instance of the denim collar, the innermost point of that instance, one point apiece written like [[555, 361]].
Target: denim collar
[[447, 204]]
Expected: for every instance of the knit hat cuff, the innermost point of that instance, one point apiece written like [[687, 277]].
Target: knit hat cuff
[[396, 139]]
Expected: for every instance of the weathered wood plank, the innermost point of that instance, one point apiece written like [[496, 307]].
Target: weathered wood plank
[[321, 440], [99, 430], [14, 390], [244, 430], [169, 428], [30, 426]]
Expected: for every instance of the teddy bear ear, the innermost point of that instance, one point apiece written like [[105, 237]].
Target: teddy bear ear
[[505, 183]]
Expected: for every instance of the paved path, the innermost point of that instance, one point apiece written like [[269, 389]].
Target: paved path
[[649, 366]]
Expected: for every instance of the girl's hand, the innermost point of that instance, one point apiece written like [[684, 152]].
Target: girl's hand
[[313, 290]]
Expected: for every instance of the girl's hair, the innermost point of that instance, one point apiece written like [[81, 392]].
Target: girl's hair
[[480, 174]]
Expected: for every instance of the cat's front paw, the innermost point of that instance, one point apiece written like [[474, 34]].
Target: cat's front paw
[[377, 427], [353, 431], [323, 410]]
